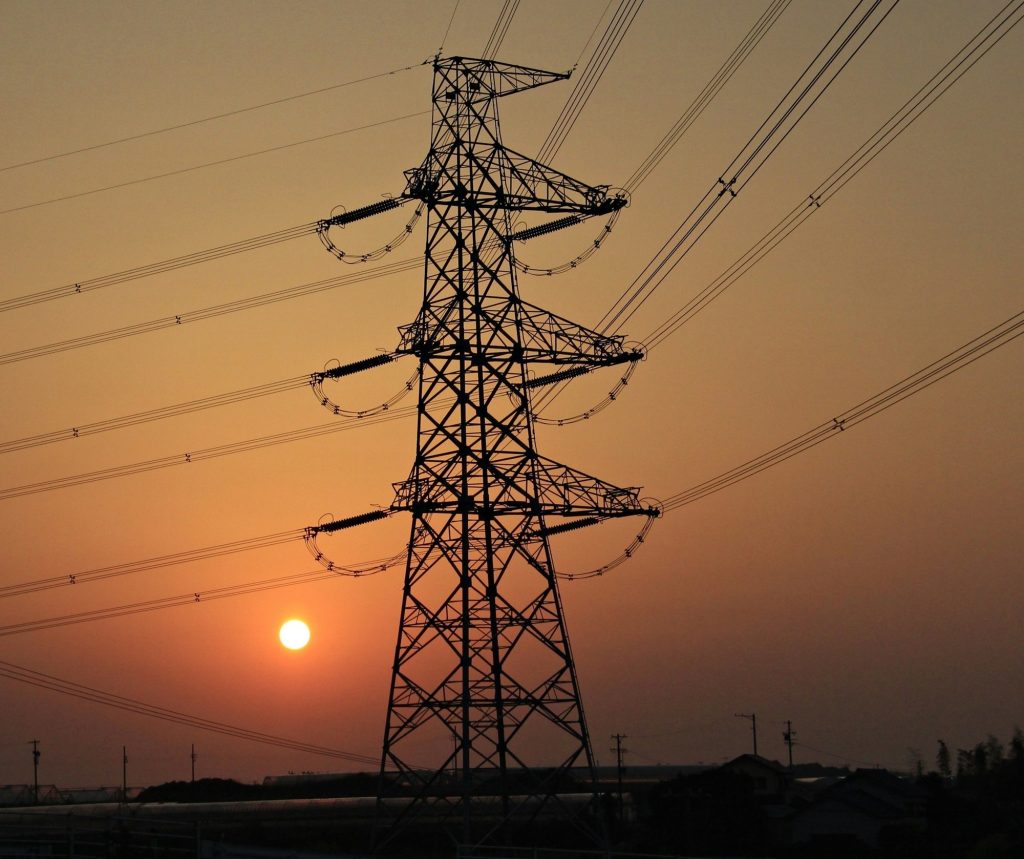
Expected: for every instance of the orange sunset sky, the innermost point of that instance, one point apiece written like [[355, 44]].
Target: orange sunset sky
[[869, 590]]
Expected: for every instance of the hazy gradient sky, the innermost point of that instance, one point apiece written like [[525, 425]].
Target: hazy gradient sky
[[869, 590]]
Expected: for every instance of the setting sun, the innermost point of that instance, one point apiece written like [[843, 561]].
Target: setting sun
[[294, 634]]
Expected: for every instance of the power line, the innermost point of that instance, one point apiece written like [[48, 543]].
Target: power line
[[593, 33], [132, 705], [195, 456], [208, 595], [160, 267], [704, 98], [619, 24], [830, 61], [954, 361], [86, 429], [448, 29], [176, 320], [205, 119], [194, 167], [500, 29], [780, 123], [312, 381], [155, 563], [994, 31], [674, 134]]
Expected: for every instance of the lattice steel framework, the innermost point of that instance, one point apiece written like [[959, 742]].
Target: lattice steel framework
[[484, 698]]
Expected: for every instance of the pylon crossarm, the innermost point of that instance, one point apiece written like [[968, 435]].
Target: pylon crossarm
[[550, 338], [554, 378], [349, 216], [469, 80], [528, 184], [510, 181], [564, 490], [544, 337], [524, 234]]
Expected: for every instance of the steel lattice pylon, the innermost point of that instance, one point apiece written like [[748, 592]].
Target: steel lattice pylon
[[484, 698]]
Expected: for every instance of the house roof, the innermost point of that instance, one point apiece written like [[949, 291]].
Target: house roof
[[757, 761]]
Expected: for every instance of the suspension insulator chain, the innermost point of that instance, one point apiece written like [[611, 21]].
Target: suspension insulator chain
[[528, 233], [560, 376], [357, 366], [565, 527], [362, 212], [575, 262], [323, 226]]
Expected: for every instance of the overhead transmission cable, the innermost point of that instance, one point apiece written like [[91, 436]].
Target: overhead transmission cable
[[132, 705], [997, 28], [207, 595], [590, 38], [159, 562], [978, 46], [202, 454], [832, 58], [954, 361], [671, 138], [500, 29], [150, 269], [194, 122], [176, 320], [314, 381], [722, 76], [844, 44], [448, 29], [161, 413], [609, 43], [192, 168]]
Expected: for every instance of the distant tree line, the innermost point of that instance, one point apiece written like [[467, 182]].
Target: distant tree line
[[976, 800], [974, 810]]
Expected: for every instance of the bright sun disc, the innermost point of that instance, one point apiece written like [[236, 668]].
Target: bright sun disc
[[294, 634]]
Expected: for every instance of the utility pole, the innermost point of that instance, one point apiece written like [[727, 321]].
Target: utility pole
[[788, 737], [619, 752], [753, 726], [124, 774], [193, 762], [483, 671], [35, 769]]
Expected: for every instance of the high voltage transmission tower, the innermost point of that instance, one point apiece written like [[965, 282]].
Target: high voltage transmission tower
[[484, 698]]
